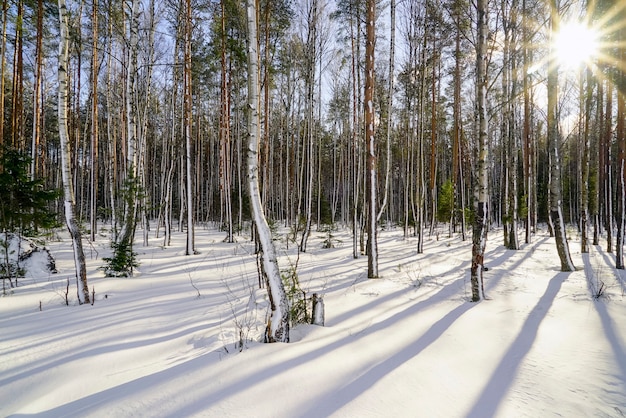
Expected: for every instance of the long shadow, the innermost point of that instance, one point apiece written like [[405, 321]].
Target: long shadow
[[450, 290], [608, 326], [504, 375], [99, 350], [271, 368], [609, 330], [610, 262], [336, 399], [86, 405]]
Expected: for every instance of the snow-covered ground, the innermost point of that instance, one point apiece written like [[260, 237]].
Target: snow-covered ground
[[165, 343]]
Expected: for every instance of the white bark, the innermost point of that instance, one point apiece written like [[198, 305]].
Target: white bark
[[479, 239], [68, 189], [190, 250], [556, 213], [132, 167], [278, 326], [392, 49]]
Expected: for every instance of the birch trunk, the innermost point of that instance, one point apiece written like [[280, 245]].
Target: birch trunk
[[94, 122], [68, 190], [392, 50], [479, 239], [621, 162], [225, 154], [310, 133], [585, 112], [278, 323], [608, 177], [190, 250], [129, 223], [528, 183], [556, 212]]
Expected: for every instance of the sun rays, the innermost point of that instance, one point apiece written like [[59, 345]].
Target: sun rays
[[576, 44]]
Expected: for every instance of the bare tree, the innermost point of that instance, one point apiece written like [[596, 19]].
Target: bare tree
[[188, 121], [370, 140], [481, 219], [3, 50], [68, 189], [556, 211], [278, 323]]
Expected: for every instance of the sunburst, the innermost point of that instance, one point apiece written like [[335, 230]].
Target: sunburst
[[576, 44]]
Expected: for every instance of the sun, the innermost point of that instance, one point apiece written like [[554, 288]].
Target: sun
[[575, 44]]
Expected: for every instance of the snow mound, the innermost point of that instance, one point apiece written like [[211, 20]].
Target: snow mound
[[20, 255]]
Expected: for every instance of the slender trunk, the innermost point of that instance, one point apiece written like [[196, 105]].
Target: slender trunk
[[585, 112], [608, 181], [68, 191], [17, 107], [556, 212], [94, 122], [372, 241], [528, 183], [392, 49], [355, 142], [37, 92], [3, 50], [310, 131], [225, 155], [479, 239], [456, 130], [188, 120], [620, 131], [278, 324]]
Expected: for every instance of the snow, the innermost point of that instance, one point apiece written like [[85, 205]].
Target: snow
[[165, 342]]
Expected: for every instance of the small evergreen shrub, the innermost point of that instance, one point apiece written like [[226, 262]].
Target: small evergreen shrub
[[122, 262], [298, 310]]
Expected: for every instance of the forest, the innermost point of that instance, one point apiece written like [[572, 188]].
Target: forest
[[161, 116]]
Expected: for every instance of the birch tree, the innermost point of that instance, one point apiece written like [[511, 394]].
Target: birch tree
[[481, 218], [188, 120], [94, 122], [556, 211], [123, 260], [66, 169], [278, 323], [392, 50]]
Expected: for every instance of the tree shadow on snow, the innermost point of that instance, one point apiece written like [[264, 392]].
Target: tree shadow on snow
[[506, 371], [608, 324]]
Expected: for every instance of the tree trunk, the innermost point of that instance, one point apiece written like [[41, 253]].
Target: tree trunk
[[132, 181], [372, 240], [225, 154], [68, 190], [37, 92], [585, 112], [556, 212], [17, 100], [278, 324], [479, 239], [3, 50], [94, 122], [526, 133], [620, 132], [308, 154], [188, 120], [608, 178]]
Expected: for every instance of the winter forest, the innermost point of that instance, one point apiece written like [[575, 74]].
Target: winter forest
[[389, 129]]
